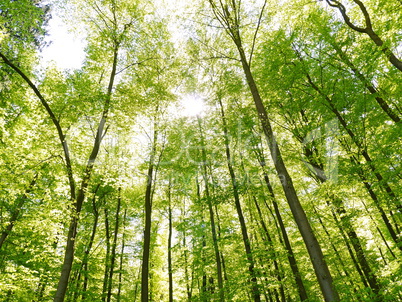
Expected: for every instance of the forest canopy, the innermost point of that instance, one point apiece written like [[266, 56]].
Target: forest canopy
[[212, 150]]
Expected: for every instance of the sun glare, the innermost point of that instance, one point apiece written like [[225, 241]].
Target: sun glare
[[192, 105]]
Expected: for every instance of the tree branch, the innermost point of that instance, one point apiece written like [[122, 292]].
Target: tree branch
[[55, 121]]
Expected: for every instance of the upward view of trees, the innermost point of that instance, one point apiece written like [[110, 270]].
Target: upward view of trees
[[286, 186]]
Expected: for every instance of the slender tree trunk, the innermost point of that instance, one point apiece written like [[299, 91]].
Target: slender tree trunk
[[225, 276], [379, 231], [72, 230], [118, 296], [107, 257], [136, 285], [376, 202], [243, 226], [185, 255], [170, 268], [218, 224], [291, 256], [113, 250], [367, 84], [357, 246], [14, 216], [345, 269], [211, 217], [271, 252], [348, 232], [203, 287], [350, 251], [214, 240], [41, 288], [313, 247], [147, 228], [75, 279], [85, 261]]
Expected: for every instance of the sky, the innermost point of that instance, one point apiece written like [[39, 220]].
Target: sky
[[65, 50]]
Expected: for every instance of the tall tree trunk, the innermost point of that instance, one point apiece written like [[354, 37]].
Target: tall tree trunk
[[218, 224], [41, 288], [170, 268], [346, 225], [313, 247], [291, 256], [123, 243], [345, 269], [379, 231], [203, 287], [107, 256], [88, 249], [225, 276], [243, 226], [113, 250], [148, 222], [271, 252], [136, 284], [346, 229], [185, 255], [211, 217], [376, 201], [367, 84], [72, 230]]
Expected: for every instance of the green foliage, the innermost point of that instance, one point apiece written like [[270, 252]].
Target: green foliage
[[22, 23]]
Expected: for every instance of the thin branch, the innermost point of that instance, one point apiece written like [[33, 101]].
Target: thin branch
[[90, 125], [220, 57], [256, 32], [135, 63], [214, 49], [102, 15]]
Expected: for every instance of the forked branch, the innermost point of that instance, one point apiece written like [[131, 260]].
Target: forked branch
[[367, 29]]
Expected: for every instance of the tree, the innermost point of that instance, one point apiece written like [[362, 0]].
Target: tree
[[229, 17]]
